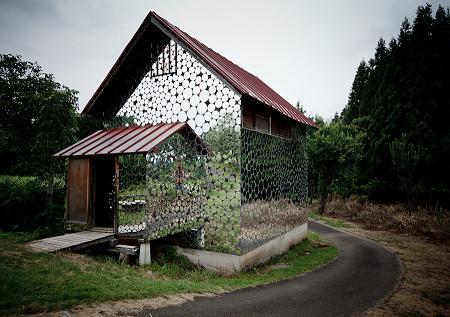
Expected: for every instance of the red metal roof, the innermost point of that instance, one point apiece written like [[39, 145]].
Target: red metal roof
[[123, 140], [241, 80], [244, 82]]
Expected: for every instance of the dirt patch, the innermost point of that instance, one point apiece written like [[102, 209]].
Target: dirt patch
[[123, 308], [425, 288]]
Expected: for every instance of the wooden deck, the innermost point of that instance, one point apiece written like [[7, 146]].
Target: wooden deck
[[73, 241]]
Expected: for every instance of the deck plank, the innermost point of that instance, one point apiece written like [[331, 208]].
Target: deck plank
[[72, 241]]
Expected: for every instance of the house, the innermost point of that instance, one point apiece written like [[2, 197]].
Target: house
[[212, 155]]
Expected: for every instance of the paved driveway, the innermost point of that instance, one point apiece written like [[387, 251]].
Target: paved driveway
[[363, 275]]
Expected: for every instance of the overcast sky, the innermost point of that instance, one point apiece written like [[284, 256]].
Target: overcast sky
[[304, 50]]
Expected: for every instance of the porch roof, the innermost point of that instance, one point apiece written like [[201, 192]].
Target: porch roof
[[125, 140]]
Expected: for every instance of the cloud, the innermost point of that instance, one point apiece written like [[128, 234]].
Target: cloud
[[30, 7]]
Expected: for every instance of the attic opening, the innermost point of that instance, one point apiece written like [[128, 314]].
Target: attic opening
[[164, 57]]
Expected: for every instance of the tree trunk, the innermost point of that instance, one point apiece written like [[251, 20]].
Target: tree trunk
[[323, 200], [323, 190], [50, 186]]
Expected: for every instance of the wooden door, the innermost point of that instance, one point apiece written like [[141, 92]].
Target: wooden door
[[78, 191]]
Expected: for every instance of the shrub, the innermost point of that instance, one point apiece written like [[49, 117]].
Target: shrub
[[431, 222], [23, 206]]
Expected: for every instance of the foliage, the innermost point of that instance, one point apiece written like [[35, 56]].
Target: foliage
[[37, 118], [334, 149], [433, 223], [87, 125], [23, 206], [39, 282], [118, 121], [405, 158], [354, 99], [403, 93]]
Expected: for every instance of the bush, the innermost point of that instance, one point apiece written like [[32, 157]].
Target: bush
[[431, 222], [23, 206]]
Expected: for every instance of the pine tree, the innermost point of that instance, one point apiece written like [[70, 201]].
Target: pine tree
[[380, 52], [404, 92], [351, 110]]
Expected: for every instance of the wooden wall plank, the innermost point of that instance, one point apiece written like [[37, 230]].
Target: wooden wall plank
[[78, 191]]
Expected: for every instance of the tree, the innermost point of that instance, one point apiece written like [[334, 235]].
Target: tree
[[332, 149], [380, 52], [404, 93], [352, 109], [37, 119], [300, 106], [405, 33], [405, 159]]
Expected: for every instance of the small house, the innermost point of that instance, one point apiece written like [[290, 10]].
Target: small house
[[212, 155]]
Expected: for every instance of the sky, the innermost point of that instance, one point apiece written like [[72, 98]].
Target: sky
[[307, 51]]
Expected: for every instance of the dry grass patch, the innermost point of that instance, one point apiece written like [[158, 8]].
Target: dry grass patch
[[425, 288], [430, 222], [124, 308]]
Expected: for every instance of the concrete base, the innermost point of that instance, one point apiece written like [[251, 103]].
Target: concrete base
[[229, 263], [144, 253]]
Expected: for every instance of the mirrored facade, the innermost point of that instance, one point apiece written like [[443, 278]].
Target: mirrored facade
[[235, 187]]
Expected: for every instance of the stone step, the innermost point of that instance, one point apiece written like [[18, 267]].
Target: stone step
[[123, 248]]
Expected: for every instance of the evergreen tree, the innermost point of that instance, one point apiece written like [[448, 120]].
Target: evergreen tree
[[351, 110], [404, 93], [380, 52]]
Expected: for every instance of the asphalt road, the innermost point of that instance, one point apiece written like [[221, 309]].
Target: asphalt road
[[363, 275]]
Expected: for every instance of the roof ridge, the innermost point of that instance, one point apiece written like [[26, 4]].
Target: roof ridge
[[106, 99], [244, 87]]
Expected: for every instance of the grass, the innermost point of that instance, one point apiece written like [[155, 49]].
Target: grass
[[39, 282], [334, 222]]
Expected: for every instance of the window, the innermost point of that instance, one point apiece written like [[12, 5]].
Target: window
[[262, 124], [164, 58], [280, 126], [266, 122], [274, 125], [249, 119], [285, 131]]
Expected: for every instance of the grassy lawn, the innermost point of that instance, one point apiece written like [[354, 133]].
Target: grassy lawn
[[35, 282]]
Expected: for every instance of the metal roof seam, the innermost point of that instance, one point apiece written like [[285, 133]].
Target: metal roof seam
[[166, 134], [108, 135], [138, 139], [124, 144], [75, 144], [160, 127], [81, 144], [166, 126], [130, 130]]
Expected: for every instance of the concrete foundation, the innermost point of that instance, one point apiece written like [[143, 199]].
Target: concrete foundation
[[230, 263], [144, 253]]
